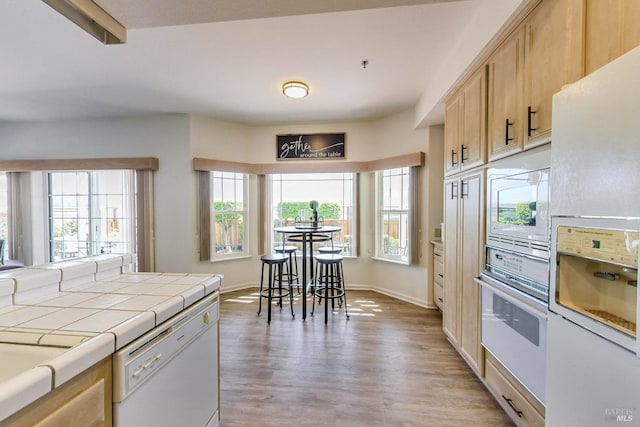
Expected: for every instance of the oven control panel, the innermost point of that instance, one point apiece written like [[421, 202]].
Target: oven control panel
[[618, 246]]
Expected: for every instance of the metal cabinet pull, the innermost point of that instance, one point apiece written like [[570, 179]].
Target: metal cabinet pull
[[453, 161], [463, 157], [512, 406], [436, 254], [440, 299], [463, 193], [440, 274], [530, 112], [454, 195], [506, 132]]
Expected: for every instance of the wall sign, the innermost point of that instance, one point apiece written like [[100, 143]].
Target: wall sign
[[313, 147]]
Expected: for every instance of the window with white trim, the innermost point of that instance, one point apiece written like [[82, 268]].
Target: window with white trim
[[290, 195], [4, 214], [393, 216], [229, 220], [90, 213]]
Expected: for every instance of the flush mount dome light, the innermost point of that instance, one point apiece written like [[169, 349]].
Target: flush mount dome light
[[295, 89]]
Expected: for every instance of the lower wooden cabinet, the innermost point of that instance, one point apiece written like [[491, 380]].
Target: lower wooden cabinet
[[522, 407], [83, 401]]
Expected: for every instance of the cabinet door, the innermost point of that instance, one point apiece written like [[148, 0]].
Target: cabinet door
[[473, 121], [631, 24], [471, 243], [450, 311], [553, 57], [611, 29], [505, 97], [452, 136]]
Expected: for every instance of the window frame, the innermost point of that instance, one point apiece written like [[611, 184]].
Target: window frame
[[405, 256], [213, 255]]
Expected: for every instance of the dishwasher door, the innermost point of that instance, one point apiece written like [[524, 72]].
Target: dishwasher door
[[169, 377]]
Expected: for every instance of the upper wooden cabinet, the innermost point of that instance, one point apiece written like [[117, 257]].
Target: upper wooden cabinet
[[465, 125], [611, 29], [505, 111], [552, 54]]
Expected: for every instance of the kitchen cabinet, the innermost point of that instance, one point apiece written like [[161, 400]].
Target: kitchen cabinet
[[505, 103], [553, 42], [463, 243], [611, 29], [83, 401], [515, 399], [465, 125], [438, 274]]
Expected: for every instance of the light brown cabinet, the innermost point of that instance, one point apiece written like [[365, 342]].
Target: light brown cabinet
[[505, 104], [611, 29], [465, 125], [464, 237], [521, 405], [83, 401], [438, 274], [553, 42]]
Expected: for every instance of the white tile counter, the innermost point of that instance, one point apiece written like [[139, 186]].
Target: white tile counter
[[93, 308]]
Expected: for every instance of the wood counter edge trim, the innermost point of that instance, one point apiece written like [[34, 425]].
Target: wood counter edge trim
[[137, 163], [411, 159]]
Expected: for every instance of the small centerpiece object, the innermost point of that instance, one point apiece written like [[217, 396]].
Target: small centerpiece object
[[314, 216]]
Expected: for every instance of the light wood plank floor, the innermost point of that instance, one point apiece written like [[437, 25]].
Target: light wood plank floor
[[389, 365]]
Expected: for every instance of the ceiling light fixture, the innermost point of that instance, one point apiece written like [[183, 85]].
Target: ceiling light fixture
[[295, 89], [87, 15]]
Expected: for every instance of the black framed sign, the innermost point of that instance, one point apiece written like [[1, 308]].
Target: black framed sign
[[313, 147]]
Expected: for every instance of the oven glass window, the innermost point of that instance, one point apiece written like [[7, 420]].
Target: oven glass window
[[517, 206], [518, 319]]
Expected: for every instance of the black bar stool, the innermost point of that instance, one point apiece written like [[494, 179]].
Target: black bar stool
[[331, 284], [275, 263], [291, 267]]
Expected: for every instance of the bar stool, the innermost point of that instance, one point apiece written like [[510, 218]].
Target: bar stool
[[331, 283], [276, 263], [329, 250], [291, 265]]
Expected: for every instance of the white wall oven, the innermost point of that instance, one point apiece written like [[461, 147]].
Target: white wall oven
[[518, 203], [594, 275]]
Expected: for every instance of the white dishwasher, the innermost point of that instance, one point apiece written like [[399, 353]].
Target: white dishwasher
[[170, 376]]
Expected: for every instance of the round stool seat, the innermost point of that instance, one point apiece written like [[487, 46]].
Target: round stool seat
[[330, 250], [285, 249], [329, 258], [273, 258]]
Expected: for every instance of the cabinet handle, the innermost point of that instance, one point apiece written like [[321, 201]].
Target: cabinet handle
[[453, 158], [512, 406], [454, 195], [436, 254], [440, 299], [463, 157], [440, 275], [530, 112], [463, 193], [506, 131]]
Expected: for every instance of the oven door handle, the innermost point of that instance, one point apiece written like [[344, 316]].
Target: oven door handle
[[514, 296]]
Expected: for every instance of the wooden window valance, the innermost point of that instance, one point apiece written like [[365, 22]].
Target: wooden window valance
[[34, 165]]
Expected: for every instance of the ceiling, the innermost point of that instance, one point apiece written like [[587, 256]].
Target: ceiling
[[227, 58]]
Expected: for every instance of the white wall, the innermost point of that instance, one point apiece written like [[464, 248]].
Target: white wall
[[164, 136], [490, 16]]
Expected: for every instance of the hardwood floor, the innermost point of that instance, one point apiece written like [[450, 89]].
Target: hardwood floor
[[389, 365]]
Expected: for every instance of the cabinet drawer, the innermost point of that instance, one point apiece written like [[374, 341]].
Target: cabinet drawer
[[437, 252], [513, 402], [438, 293], [438, 273]]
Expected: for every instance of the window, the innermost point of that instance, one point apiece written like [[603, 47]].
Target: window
[[229, 215], [90, 212], [393, 220], [335, 193]]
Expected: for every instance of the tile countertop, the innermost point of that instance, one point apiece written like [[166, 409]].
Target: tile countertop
[[93, 318]]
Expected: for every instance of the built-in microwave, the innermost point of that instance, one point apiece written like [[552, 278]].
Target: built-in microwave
[[518, 203]]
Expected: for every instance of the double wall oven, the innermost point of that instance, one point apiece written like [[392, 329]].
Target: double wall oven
[[515, 280]]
